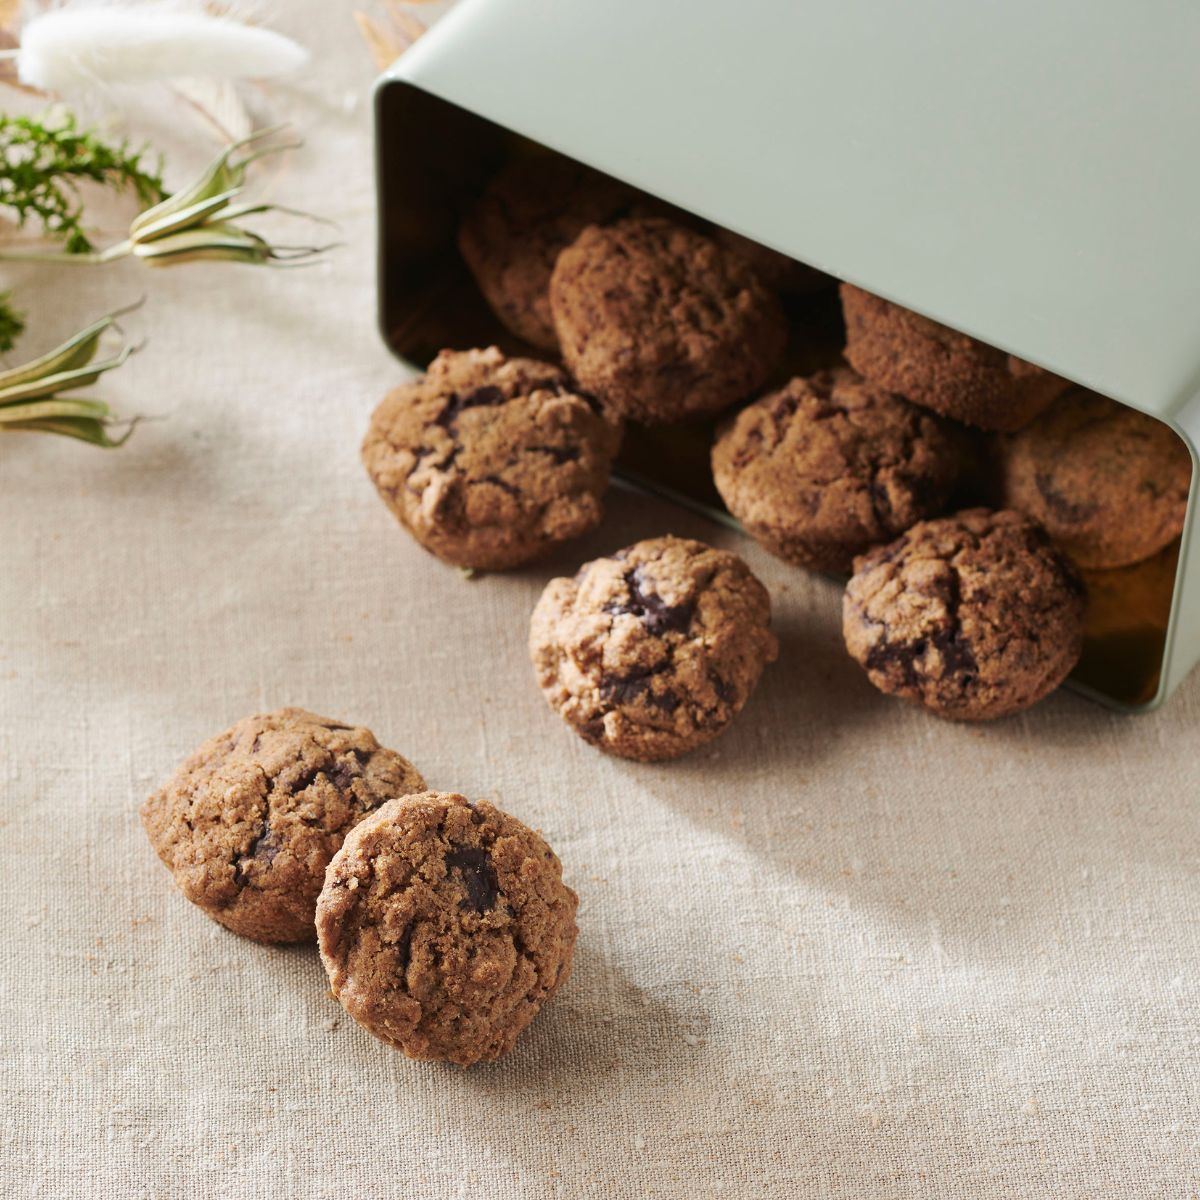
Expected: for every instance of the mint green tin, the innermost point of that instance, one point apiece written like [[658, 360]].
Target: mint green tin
[[1025, 173]]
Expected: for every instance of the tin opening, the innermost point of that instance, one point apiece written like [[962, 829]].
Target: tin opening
[[434, 159]]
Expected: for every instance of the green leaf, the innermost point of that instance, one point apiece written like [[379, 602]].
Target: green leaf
[[223, 175], [208, 242], [49, 385], [86, 429], [67, 406], [29, 398], [77, 351], [184, 218]]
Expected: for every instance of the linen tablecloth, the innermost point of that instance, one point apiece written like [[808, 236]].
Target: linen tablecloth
[[846, 951]]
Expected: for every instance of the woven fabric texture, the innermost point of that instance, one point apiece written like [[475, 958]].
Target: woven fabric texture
[[848, 951]]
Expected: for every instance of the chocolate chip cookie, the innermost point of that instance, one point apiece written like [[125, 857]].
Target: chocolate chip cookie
[[951, 373], [831, 465], [445, 926], [248, 823], [490, 462], [777, 271], [1109, 483], [660, 322], [512, 237], [973, 616], [653, 651]]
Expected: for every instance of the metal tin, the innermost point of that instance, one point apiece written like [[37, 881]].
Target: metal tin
[[1021, 172]]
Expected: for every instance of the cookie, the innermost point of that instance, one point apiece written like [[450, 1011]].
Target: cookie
[[831, 465], [490, 462], [973, 616], [512, 236], [444, 926], [777, 271], [951, 373], [660, 322], [248, 823], [653, 651], [1109, 483]]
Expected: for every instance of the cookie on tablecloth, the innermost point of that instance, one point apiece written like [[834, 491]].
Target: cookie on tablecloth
[[444, 926], [490, 462], [654, 650], [973, 616], [248, 823]]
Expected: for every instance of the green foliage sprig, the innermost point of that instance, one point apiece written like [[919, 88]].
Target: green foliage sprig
[[45, 162]]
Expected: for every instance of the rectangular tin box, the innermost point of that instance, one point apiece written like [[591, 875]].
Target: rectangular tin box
[[1025, 173]]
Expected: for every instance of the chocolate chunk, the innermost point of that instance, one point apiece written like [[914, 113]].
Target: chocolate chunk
[[304, 780], [592, 731], [622, 691], [648, 606], [487, 396], [902, 654], [957, 656], [591, 401], [404, 951], [263, 849], [558, 454], [881, 503], [636, 685], [725, 690], [1058, 504], [827, 411], [478, 878], [502, 484], [344, 774]]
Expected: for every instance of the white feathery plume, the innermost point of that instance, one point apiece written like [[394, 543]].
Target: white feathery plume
[[82, 46]]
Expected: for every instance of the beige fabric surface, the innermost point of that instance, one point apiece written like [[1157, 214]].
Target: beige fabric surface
[[849, 951]]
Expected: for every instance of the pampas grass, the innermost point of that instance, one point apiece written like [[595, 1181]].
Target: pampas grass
[[82, 46]]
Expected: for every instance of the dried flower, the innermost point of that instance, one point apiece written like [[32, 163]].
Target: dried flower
[[77, 47], [30, 399], [198, 222]]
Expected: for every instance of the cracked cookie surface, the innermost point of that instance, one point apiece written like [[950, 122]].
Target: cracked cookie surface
[[490, 462], [444, 926], [949, 372], [513, 235], [249, 822], [661, 322], [973, 616], [1110, 484], [654, 650], [830, 465]]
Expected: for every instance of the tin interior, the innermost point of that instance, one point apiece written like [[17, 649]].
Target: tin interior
[[434, 159]]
